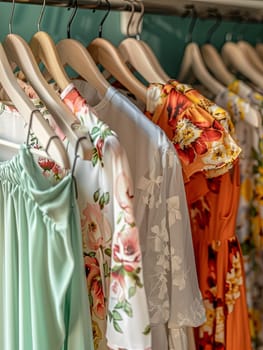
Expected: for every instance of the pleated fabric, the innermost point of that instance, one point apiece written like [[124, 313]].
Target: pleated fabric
[[43, 299]]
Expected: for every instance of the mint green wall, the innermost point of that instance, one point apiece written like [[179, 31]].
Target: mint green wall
[[165, 34]]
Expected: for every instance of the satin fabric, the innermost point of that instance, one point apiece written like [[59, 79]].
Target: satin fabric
[[43, 299]]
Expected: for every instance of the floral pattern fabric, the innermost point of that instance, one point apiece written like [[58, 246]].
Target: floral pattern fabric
[[171, 285], [211, 107], [245, 106], [110, 237], [111, 247], [200, 140], [212, 203]]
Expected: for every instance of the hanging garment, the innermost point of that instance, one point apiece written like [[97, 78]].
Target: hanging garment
[[110, 236], [128, 323], [249, 219], [256, 102], [162, 216], [204, 146], [211, 107], [42, 297]]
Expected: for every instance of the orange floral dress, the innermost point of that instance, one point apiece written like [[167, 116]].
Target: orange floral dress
[[206, 149]]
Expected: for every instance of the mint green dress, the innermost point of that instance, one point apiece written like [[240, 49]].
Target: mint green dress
[[43, 298]]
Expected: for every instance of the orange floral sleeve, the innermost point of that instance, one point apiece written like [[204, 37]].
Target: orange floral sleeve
[[201, 142]]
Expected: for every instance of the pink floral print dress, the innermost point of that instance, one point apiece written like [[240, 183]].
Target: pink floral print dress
[[110, 237]]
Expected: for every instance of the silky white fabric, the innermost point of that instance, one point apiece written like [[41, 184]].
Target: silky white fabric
[[161, 212]]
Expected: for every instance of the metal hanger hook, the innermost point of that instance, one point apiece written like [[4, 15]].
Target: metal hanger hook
[[214, 27], [131, 2], [97, 6], [140, 2], [41, 15], [191, 9], [10, 24], [73, 15], [104, 18]]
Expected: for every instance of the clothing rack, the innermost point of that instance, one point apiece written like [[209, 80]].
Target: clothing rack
[[228, 9]]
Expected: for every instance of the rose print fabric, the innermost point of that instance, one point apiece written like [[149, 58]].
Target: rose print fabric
[[243, 105], [212, 203], [171, 285], [110, 237]]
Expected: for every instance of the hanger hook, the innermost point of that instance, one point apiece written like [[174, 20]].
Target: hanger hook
[[41, 15], [214, 27], [104, 18], [73, 15], [96, 6], [10, 24], [138, 37], [131, 2], [190, 10]]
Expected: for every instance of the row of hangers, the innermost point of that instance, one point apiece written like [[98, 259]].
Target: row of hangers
[[205, 64], [215, 70], [42, 49], [131, 52], [15, 52], [241, 56]]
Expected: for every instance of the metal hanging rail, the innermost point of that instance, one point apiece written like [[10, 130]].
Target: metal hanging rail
[[252, 9], [118, 5]]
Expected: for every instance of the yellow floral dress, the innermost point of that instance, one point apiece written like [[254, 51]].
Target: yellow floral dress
[[246, 108], [206, 149]]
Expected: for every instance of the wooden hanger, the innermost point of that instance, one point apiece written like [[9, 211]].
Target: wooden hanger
[[193, 62], [72, 53], [139, 55], [18, 51], [233, 56], [133, 52], [46, 136], [44, 50], [216, 65], [104, 53], [154, 61], [75, 55], [211, 56], [251, 54]]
